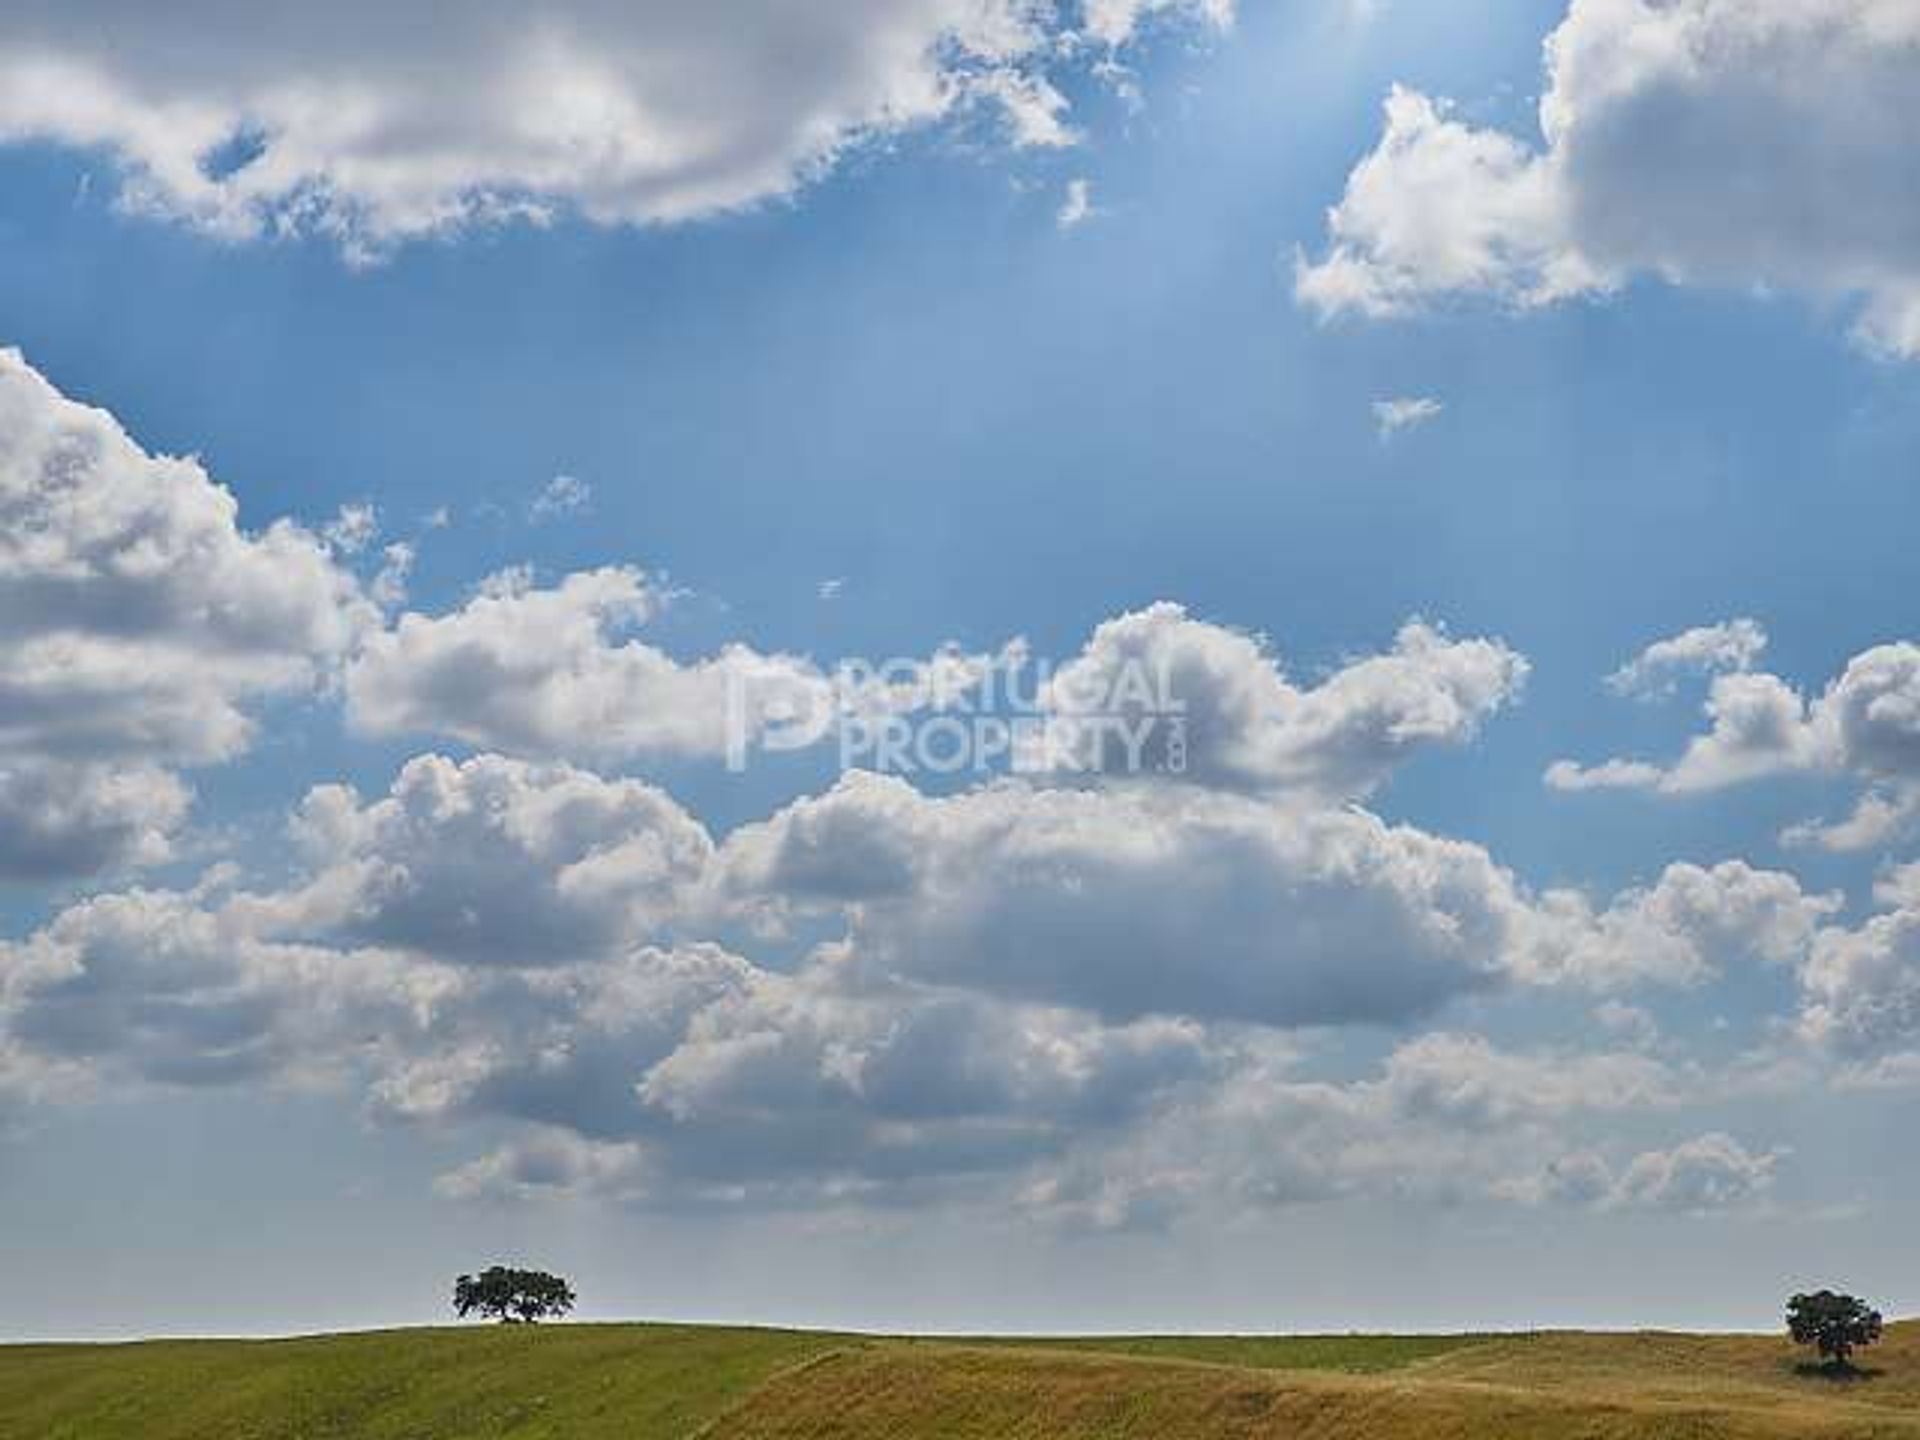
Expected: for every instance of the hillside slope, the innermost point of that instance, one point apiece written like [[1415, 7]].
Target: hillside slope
[[563, 1382], [586, 1382], [1583, 1387]]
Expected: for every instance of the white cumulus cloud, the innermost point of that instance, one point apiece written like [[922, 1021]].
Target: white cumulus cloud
[[374, 123], [1736, 143], [1243, 725], [1865, 726], [139, 625], [553, 672]]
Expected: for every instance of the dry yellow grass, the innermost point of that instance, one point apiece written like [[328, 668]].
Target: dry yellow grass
[[1543, 1387]]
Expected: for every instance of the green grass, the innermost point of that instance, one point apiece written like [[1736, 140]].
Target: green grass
[[658, 1382], [581, 1382]]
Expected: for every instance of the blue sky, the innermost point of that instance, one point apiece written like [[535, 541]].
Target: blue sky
[[889, 369]]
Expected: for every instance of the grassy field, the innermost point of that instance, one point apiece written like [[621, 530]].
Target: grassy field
[[635, 1382], [646, 1382]]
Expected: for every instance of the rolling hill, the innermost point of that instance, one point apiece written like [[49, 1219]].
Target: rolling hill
[[658, 1382]]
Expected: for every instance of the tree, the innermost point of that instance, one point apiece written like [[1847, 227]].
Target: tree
[[1833, 1324], [507, 1295]]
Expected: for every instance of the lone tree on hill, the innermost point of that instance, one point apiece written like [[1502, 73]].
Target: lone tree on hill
[[1834, 1324], [508, 1296]]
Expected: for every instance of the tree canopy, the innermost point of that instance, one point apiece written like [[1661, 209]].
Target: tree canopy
[[1833, 1324], [505, 1294]]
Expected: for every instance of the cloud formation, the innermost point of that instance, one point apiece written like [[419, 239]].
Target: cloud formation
[[494, 861], [1244, 726], [372, 124], [1709, 1173], [1130, 903], [875, 993], [1864, 726], [1084, 991], [1076, 205], [557, 672], [1705, 649], [562, 495], [139, 625], [1861, 987], [1739, 145], [1407, 412]]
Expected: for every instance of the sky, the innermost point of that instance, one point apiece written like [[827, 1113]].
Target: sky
[[958, 664]]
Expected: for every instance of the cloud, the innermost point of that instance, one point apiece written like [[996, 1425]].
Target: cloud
[[1705, 649], [561, 1048], [1608, 775], [1440, 207], [352, 529], [554, 672], [1088, 1001], [58, 821], [1859, 983], [494, 861], [1031, 105], [1077, 207], [1684, 929], [474, 942], [139, 623], [550, 1162], [1466, 1080], [476, 945], [786, 1094], [1711, 1172], [1135, 903], [1861, 987], [562, 495], [1087, 993], [1408, 412], [1899, 886], [29, 1083], [1734, 145], [376, 125], [811, 1084], [545, 672], [160, 987], [1760, 726], [1865, 726], [1115, 22], [1447, 1118], [1241, 725], [1707, 1174], [388, 587]]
